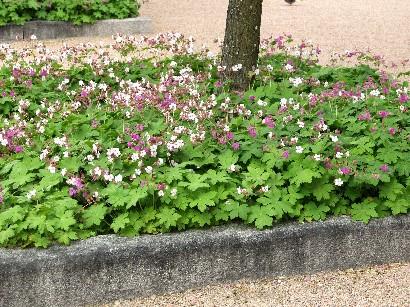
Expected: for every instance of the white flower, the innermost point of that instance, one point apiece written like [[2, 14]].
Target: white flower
[[262, 103], [269, 67], [174, 192], [109, 177], [148, 169], [31, 194], [63, 172], [118, 178], [137, 171], [97, 171], [375, 93], [294, 139], [265, 189], [301, 124], [317, 157], [347, 154], [232, 168], [289, 67], [33, 37], [160, 193], [334, 138], [338, 182], [296, 81], [52, 169], [299, 149], [65, 154], [339, 154]]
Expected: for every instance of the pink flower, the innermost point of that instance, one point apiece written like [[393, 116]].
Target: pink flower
[[285, 154], [403, 98], [344, 170], [229, 135], [392, 131], [268, 121], [72, 192], [135, 137], [384, 168], [384, 114], [235, 146], [364, 116], [252, 131], [18, 149], [218, 83]]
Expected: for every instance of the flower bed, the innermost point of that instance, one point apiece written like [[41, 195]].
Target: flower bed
[[143, 137]]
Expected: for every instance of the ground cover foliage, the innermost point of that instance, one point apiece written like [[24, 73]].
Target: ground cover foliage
[[75, 11], [143, 137]]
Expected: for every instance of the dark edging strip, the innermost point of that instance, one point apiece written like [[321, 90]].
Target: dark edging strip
[[106, 268], [61, 29]]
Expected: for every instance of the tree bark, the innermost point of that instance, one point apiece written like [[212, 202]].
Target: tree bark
[[242, 39]]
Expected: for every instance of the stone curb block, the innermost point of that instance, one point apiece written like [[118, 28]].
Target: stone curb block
[[106, 268], [61, 29]]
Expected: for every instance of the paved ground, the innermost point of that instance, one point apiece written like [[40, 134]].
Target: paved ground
[[387, 286]]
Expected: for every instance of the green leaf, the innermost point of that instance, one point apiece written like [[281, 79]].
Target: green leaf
[[66, 220], [391, 190], [237, 210], [66, 237], [304, 176], [72, 164], [168, 217], [204, 200], [227, 158], [49, 180], [120, 222], [399, 206], [173, 174], [135, 196], [364, 211], [311, 211], [261, 215], [94, 215], [117, 195], [202, 219], [217, 177], [196, 181], [256, 175], [5, 235], [321, 190], [388, 155]]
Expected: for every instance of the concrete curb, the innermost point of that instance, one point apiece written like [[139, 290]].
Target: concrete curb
[[106, 268], [61, 29]]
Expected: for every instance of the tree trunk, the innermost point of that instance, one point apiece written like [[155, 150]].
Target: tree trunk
[[241, 43]]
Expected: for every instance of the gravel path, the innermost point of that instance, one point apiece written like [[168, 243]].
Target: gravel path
[[381, 25], [387, 285]]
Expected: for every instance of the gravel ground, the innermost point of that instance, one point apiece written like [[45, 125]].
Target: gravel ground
[[387, 285], [380, 25]]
